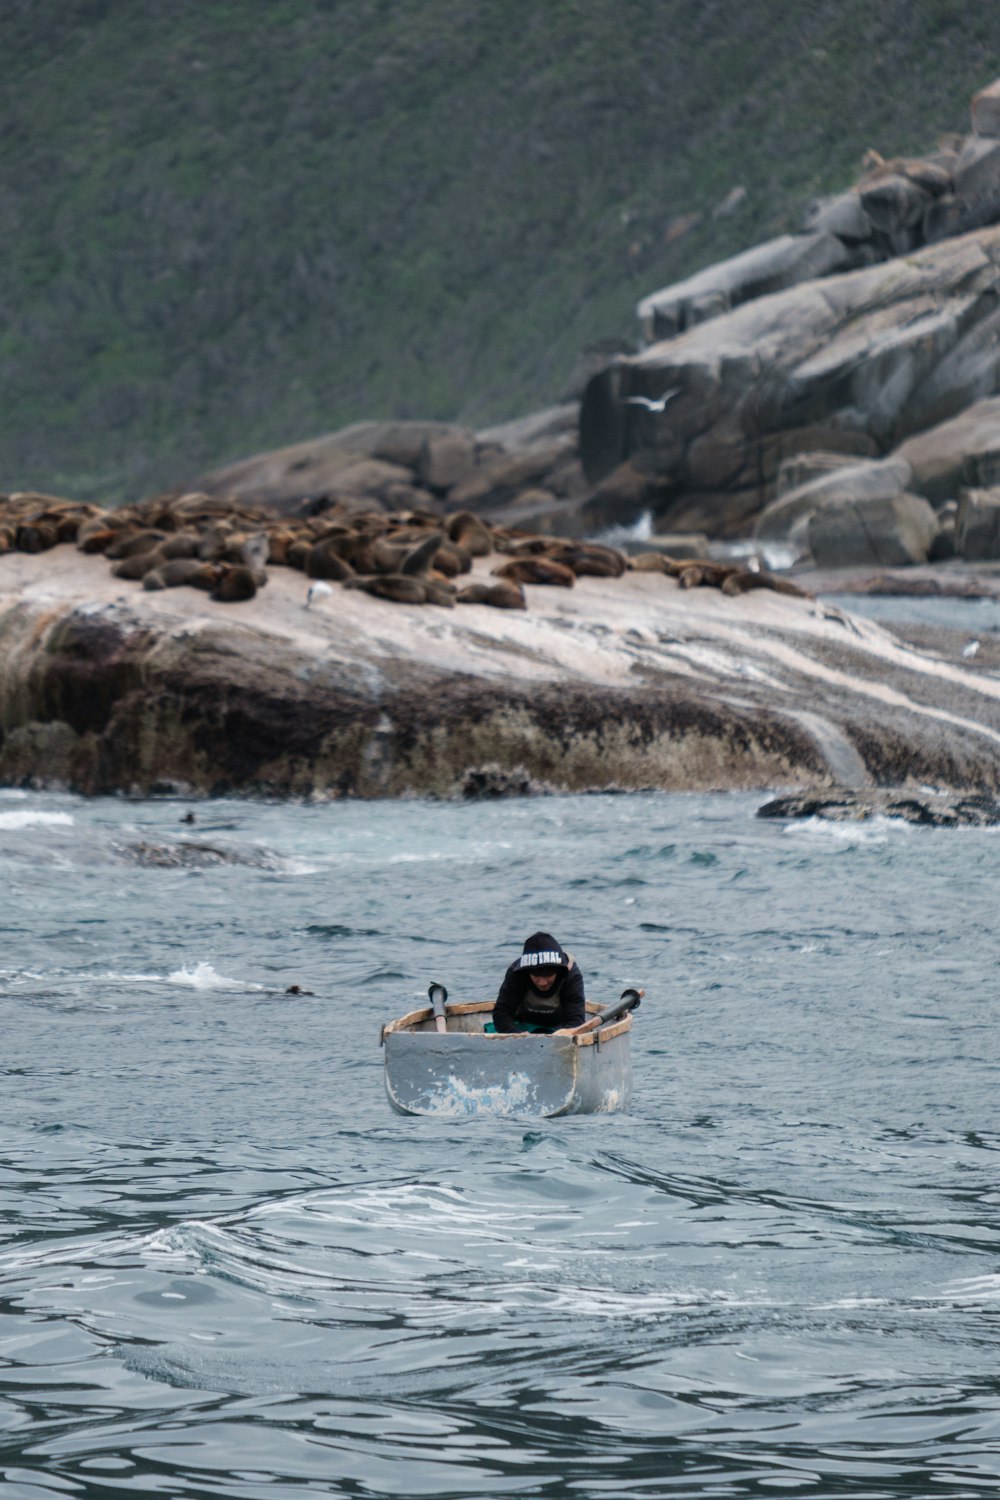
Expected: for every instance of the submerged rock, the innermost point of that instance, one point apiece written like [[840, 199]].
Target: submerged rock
[[929, 809], [193, 856]]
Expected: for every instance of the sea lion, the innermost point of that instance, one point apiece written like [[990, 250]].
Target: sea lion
[[67, 525], [502, 595], [97, 534], [235, 583], [451, 559], [745, 579], [324, 561], [534, 546], [278, 542], [473, 593], [247, 549], [128, 543], [175, 572], [420, 559], [298, 553], [197, 503], [215, 538], [470, 532], [400, 588], [590, 559], [38, 536], [650, 562], [701, 572], [439, 591], [138, 565], [180, 544], [506, 595], [536, 570]]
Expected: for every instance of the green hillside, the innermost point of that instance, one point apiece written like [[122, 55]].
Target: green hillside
[[233, 224]]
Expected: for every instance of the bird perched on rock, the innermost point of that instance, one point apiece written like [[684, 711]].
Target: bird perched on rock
[[318, 590], [971, 649]]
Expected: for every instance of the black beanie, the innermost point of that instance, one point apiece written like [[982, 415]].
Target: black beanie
[[541, 951]]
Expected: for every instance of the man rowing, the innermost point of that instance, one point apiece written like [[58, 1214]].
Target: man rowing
[[542, 990]]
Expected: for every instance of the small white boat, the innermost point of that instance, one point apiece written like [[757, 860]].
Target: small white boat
[[457, 1068]]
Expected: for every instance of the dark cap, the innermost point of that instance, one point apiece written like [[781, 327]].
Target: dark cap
[[541, 952]]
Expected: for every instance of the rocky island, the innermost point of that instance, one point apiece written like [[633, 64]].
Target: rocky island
[[618, 682], [828, 400]]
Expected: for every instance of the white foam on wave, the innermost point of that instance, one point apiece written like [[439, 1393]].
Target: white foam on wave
[[293, 866], [113, 977], [419, 1208], [30, 818], [867, 831], [972, 1291], [204, 977]]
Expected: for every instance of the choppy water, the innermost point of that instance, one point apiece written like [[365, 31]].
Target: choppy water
[[227, 1269]]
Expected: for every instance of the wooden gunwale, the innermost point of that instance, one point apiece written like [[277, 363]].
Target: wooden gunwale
[[468, 1008]]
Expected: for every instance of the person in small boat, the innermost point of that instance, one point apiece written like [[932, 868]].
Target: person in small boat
[[542, 990]]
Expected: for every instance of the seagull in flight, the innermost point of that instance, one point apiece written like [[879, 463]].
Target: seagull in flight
[[649, 403]]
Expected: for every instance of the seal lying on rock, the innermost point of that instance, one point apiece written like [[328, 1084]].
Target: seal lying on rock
[[503, 595], [536, 570], [694, 575], [177, 572], [408, 556], [236, 582], [323, 560], [744, 580], [466, 528], [401, 588], [138, 564]]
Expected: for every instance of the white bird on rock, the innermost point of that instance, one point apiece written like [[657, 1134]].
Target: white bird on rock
[[970, 649], [649, 403], [318, 590]]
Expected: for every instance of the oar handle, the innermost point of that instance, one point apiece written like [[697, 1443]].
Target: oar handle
[[629, 1001], [437, 995]]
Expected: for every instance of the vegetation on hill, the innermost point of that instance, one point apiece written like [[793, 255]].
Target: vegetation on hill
[[234, 224]]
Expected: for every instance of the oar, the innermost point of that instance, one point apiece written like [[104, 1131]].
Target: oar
[[437, 995], [629, 1001]]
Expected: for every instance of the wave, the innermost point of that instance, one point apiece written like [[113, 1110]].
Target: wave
[[205, 977], [871, 831], [29, 818]]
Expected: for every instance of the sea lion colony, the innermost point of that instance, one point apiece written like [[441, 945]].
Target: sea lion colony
[[409, 557]]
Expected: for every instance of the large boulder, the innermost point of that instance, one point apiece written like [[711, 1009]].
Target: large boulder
[[501, 477], [360, 461], [842, 215], [889, 532], [880, 353], [974, 199], [776, 264], [986, 110], [977, 526], [842, 486], [965, 450]]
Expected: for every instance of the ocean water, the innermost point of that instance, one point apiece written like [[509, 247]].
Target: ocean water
[[228, 1269]]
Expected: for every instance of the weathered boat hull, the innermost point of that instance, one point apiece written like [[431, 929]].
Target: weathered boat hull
[[465, 1072]]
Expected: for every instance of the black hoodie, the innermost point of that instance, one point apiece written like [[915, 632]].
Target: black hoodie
[[519, 1004]]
